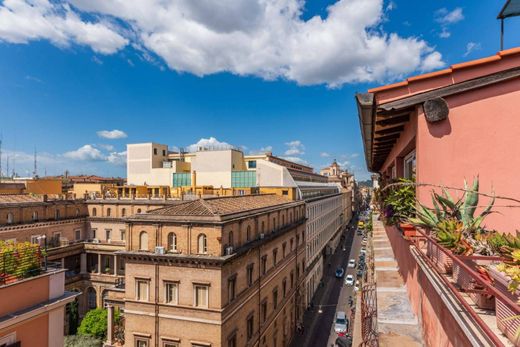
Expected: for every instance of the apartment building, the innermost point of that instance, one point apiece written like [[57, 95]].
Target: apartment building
[[224, 271]]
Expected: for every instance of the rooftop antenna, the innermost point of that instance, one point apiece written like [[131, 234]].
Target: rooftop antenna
[[510, 9], [35, 172]]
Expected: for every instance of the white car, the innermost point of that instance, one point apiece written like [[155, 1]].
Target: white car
[[340, 325], [349, 280], [352, 263]]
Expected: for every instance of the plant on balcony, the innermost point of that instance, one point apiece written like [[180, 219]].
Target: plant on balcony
[[397, 202], [19, 260]]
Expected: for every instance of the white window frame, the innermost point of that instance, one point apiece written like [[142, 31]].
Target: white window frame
[[410, 157], [195, 286], [175, 300], [137, 292]]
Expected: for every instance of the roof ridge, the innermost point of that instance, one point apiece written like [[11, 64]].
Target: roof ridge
[[208, 206]]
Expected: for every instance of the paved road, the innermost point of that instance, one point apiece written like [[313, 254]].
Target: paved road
[[317, 325]]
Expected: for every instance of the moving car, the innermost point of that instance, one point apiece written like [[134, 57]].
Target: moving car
[[349, 280], [340, 272], [341, 323], [352, 263]]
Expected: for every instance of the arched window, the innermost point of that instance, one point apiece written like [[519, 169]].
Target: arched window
[[143, 241], [94, 212], [35, 216], [91, 298], [109, 211], [202, 244], [123, 212], [248, 233], [138, 210], [172, 242], [10, 218], [57, 214], [230, 238]]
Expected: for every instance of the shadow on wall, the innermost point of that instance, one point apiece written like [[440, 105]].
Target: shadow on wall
[[440, 129]]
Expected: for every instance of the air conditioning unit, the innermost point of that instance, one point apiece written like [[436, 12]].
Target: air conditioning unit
[[262, 235], [229, 250], [95, 241], [159, 250]]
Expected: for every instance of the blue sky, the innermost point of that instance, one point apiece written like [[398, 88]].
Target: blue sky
[[278, 77]]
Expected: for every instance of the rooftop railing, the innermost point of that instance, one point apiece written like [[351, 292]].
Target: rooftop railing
[[19, 261]]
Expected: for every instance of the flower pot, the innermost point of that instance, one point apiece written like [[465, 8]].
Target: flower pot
[[443, 261], [510, 326], [408, 229], [466, 282]]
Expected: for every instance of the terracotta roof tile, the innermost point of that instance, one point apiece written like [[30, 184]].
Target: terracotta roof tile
[[18, 198], [222, 205]]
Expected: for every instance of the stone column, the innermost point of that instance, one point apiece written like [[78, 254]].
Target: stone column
[[83, 263], [110, 325], [99, 263], [115, 265]]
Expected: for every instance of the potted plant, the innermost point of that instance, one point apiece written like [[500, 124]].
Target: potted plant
[[398, 204]]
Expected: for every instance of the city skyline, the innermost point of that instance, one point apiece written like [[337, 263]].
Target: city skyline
[[69, 90]]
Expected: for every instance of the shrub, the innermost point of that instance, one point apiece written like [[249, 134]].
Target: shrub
[[95, 323]]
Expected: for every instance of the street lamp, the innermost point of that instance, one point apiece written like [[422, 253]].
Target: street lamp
[[320, 310]]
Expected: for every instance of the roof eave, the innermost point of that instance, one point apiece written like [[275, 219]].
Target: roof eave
[[365, 105]]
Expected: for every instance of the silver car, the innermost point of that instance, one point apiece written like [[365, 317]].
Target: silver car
[[341, 323]]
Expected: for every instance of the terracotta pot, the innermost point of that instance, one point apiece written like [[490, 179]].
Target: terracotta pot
[[443, 262], [466, 282], [408, 229], [508, 327]]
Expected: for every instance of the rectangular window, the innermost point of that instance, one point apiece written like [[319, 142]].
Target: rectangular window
[[139, 342], [171, 294], [170, 344], [284, 287], [242, 179], [77, 234], [200, 295], [232, 281], [250, 326], [251, 164], [181, 179], [34, 239], [155, 151], [164, 153], [284, 246], [94, 233], [108, 234], [264, 264], [141, 290], [285, 192], [123, 234], [275, 253], [232, 341], [275, 298], [409, 165], [250, 269]]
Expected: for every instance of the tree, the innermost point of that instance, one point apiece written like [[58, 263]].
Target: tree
[[95, 323], [82, 341]]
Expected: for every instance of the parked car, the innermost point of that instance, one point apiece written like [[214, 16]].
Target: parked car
[[340, 272], [349, 280], [343, 341], [341, 323], [360, 273], [352, 263], [363, 250]]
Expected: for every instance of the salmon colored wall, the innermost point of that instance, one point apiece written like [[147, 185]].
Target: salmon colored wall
[[401, 146], [34, 332], [480, 137], [23, 294], [435, 318]]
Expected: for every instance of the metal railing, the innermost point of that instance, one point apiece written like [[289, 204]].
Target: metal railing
[[467, 279], [18, 261], [369, 315]]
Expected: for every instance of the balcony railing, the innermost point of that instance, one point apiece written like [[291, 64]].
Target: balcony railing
[[19, 261], [467, 281]]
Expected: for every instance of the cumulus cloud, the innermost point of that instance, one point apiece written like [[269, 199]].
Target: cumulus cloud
[[295, 148], [112, 134], [265, 38], [210, 143], [117, 158], [22, 21], [324, 155], [297, 160], [444, 16], [86, 153], [262, 150], [471, 47]]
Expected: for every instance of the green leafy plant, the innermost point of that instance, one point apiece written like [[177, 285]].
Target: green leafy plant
[[398, 202], [95, 323]]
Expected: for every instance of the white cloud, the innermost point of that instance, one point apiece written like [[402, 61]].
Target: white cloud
[[295, 148], [97, 60], [117, 158], [85, 153], [354, 155], [211, 143], [22, 21], [112, 134], [471, 47], [264, 38], [445, 33], [445, 17], [432, 62], [262, 150], [324, 155], [106, 147]]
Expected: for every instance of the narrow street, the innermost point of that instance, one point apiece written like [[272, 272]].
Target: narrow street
[[318, 327]]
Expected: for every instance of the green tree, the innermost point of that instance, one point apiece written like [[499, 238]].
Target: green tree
[[82, 341], [95, 323]]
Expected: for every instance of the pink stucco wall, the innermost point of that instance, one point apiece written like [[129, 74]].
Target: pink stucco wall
[[480, 137]]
